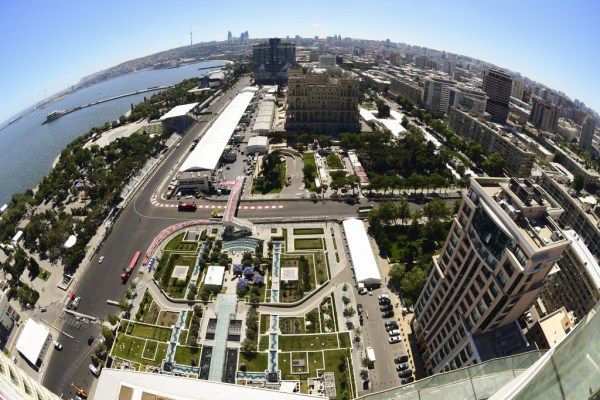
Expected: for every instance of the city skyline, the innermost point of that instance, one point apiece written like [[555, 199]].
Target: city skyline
[[58, 45]]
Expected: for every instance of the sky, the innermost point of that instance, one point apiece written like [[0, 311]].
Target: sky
[[48, 46]]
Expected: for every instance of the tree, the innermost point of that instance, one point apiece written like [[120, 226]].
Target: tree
[[34, 267], [365, 362], [113, 319], [383, 109], [403, 210], [108, 334], [578, 182], [474, 151], [494, 165], [124, 305], [345, 300], [437, 209]]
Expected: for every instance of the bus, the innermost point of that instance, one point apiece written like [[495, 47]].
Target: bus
[[363, 212], [127, 272]]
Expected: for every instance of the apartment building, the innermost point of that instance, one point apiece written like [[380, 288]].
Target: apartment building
[[576, 165], [577, 285], [501, 251], [519, 159], [401, 86], [322, 101], [587, 132], [544, 115], [551, 329]]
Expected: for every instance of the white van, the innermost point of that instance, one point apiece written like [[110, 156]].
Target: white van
[[94, 370]]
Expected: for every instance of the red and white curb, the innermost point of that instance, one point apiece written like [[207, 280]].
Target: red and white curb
[[155, 203]]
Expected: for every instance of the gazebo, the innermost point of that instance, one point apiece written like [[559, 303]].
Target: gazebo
[[243, 283], [249, 271], [238, 269], [258, 279]]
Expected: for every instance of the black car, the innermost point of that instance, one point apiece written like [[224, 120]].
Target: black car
[[387, 314], [90, 340], [407, 380], [401, 367], [384, 300], [391, 327], [405, 374], [401, 359], [385, 307]]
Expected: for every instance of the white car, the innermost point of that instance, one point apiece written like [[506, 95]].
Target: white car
[[100, 260], [394, 339], [383, 296], [94, 370], [76, 302], [394, 332], [57, 345]]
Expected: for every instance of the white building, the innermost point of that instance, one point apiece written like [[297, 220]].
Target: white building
[[214, 275], [363, 260], [15, 384], [34, 341], [257, 145]]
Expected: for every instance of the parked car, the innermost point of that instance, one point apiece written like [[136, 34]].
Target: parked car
[[391, 323], [90, 340], [401, 359], [383, 296], [76, 303], [407, 380], [387, 314], [405, 374], [394, 339], [94, 370], [391, 327], [394, 332], [384, 300], [57, 345], [100, 260], [385, 307], [359, 308], [401, 367]]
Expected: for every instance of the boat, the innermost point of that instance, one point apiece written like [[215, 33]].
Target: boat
[[51, 116]]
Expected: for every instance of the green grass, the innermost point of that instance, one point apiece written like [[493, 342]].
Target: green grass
[[44, 274], [150, 332], [321, 267], [308, 244], [255, 362], [284, 363], [183, 336], [177, 244], [308, 231], [150, 349], [184, 354], [334, 162], [263, 342], [315, 361], [130, 348], [264, 323], [319, 341], [344, 340], [336, 362], [300, 356]]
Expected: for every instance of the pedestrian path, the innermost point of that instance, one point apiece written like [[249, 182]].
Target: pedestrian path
[[196, 271], [275, 271]]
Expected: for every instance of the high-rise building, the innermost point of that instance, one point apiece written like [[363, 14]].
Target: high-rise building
[[18, 385], [229, 36], [322, 101], [587, 133], [544, 115], [467, 99], [502, 248], [497, 85], [405, 87], [272, 60], [436, 93], [518, 89]]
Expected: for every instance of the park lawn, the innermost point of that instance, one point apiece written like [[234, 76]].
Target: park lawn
[[178, 290], [150, 349], [308, 231], [334, 162], [152, 313], [277, 187], [333, 361], [151, 332], [183, 335], [320, 341], [130, 348], [308, 244], [263, 342], [177, 244], [264, 323], [289, 293], [315, 362], [321, 267], [255, 362], [303, 355], [184, 354], [345, 341], [44, 274]]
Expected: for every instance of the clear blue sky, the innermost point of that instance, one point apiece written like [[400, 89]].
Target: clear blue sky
[[49, 45]]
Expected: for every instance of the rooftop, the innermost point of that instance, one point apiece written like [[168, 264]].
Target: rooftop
[[179, 111]]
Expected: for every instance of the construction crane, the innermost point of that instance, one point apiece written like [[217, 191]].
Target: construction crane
[[80, 391]]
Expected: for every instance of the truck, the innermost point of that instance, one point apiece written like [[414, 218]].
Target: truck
[[361, 288], [129, 270], [371, 354], [181, 206]]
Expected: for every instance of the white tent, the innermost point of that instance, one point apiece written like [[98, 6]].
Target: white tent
[[34, 341], [361, 253], [214, 275], [179, 111]]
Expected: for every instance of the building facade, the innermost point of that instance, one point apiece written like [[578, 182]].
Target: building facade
[[322, 102], [544, 116], [577, 285], [272, 61], [519, 160], [8, 315], [501, 250], [327, 61], [404, 87], [497, 85], [436, 95], [16, 384], [550, 330], [587, 133]]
